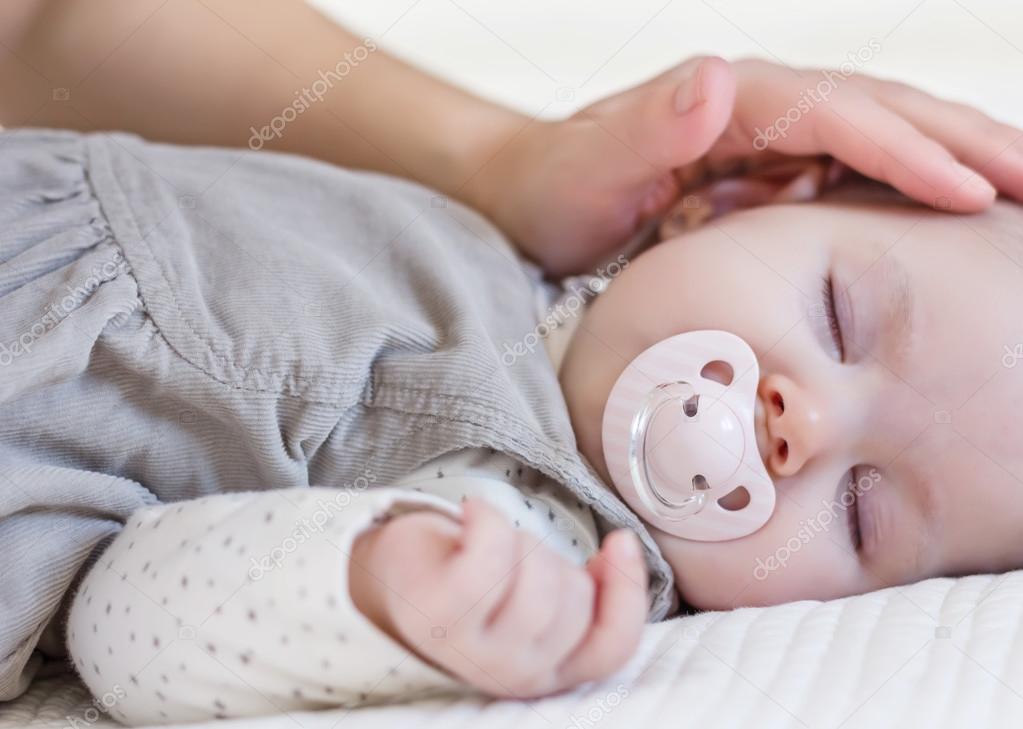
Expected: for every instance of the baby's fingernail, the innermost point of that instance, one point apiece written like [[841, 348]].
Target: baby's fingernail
[[690, 92], [629, 546]]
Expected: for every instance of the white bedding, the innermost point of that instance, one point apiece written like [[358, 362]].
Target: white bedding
[[940, 653]]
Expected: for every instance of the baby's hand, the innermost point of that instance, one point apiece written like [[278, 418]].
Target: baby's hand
[[493, 605]]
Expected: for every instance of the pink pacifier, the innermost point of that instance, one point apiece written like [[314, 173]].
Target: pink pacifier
[[677, 442]]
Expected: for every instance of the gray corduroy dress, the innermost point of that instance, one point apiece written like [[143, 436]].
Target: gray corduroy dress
[[176, 322]]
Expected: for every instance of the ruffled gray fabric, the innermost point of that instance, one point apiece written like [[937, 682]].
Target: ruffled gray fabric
[[63, 280]]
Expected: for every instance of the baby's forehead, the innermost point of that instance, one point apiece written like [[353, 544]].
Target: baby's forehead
[[953, 255], [1001, 228], [965, 276], [879, 224]]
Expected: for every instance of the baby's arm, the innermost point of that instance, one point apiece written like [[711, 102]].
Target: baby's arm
[[238, 604]]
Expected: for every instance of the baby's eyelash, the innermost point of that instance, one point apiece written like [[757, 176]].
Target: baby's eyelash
[[828, 295], [853, 510]]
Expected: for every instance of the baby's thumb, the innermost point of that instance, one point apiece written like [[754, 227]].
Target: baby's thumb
[[619, 571]]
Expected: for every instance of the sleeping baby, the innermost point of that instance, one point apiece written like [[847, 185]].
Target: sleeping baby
[[277, 435]]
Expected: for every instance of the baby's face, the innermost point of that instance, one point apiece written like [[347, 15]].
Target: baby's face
[[912, 392]]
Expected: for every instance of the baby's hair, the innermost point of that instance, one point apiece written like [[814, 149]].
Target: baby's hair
[[1001, 225]]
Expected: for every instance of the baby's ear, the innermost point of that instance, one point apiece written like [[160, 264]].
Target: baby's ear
[[782, 181]]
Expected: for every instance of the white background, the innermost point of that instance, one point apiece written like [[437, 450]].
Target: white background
[[520, 52]]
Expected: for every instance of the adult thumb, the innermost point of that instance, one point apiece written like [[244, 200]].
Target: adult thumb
[[675, 118]]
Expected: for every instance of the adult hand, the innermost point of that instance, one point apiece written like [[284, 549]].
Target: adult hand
[[570, 192]]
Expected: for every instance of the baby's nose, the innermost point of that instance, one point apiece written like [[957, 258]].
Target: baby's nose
[[796, 427]]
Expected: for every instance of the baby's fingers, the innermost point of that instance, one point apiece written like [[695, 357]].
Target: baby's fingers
[[480, 572], [620, 612], [879, 143]]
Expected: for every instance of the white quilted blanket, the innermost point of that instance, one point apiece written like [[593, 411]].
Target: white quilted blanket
[[940, 653]]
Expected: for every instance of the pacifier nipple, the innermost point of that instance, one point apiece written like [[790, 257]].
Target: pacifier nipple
[[681, 447]]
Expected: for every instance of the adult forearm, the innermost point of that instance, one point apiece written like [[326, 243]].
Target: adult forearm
[[267, 74]]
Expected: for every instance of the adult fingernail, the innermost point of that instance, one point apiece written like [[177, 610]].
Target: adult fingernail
[[973, 182], [689, 94], [981, 187]]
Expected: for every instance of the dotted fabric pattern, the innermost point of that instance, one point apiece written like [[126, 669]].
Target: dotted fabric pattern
[[237, 604], [529, 499]]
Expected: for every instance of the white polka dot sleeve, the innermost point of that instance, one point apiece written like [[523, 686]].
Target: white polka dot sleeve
[[238, 605]]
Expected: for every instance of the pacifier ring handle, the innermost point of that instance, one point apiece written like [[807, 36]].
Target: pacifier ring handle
[[639, 467]]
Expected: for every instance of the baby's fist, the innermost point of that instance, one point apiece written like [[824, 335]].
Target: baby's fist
[[493, 605]]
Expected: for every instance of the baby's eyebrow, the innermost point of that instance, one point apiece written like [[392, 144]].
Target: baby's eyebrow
[[900, 305]]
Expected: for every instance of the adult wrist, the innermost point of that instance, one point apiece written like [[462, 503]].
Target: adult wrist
[[487, 164]]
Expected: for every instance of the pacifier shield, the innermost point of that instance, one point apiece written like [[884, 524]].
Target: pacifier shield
[[675, 441]]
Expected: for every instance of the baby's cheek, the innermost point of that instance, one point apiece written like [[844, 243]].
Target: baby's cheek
[[712, 575], [761, 569]]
